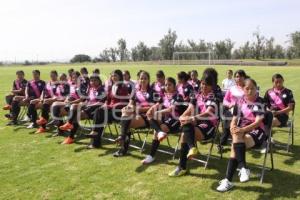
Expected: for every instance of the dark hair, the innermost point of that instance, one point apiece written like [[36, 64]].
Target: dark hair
[[193, 71], [160, 74], [96, 71], [252, 81], [208, 80], [183, 76], [139, 72], [230, 71], [277, 76], [96, 78], [36, 71], [54, 72], [119, 73], [127, 72], [77, 73], [172, 80], [84, 70], [20, 72], [241, 73], [70, 71], [213, 73], [63, 74]]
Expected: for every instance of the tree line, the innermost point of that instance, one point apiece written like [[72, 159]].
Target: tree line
[[260, 47]]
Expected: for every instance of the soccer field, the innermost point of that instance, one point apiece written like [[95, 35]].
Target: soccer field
[[34, 166]]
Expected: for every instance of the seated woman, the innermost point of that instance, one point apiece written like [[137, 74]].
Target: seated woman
[[280, 101], [194, 81], [117, 98], [17, 95], [247, 130], [33, 93], [183, 87], [158, 85], [232, 95], [49, 95], [198, 123], [134, 114], [96, 97], [60, 109], [163, 116]]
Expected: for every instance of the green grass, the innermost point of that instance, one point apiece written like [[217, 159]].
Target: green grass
[[37, 167]]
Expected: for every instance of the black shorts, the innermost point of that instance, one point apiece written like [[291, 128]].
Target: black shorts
[[282, 118], [145, 120], [172, 124], [206, 128], [259, 136], [90, 110]]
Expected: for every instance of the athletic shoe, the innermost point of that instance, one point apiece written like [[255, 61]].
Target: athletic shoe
[[68, 140], [8, 116], [67, 126], [6, 107], [26, 119], [161, 136], [31, 125], [148, 159], [12, 123], [121, 152], [177, 172], [224, 185], [192, 152], [41, 121], [41, 130], [244, 175]]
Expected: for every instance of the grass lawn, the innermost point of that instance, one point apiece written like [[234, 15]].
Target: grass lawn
[[37, 167]]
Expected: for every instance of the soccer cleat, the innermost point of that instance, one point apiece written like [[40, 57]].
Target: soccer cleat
[[41, 121], [41, 130], [68, 140], [244, 175], [67, 126], [192, 152], [6, 107], [12, 123], [177, 172], [31, 125], [224, 185], [121, 152], [148, 159], [8, 116], [161, 136]]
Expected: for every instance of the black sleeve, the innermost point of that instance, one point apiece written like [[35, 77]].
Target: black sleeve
[[291, 97], [14, 87], [235, 110], [266, 99]]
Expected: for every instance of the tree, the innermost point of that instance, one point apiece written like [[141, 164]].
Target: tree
[[294, 49], [258, 45], [167, 45], [122, 49], [141, 52], [223, 49], [113, 54], [80, 58], [104, 56]]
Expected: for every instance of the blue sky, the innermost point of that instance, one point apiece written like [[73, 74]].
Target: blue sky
[[59, 29]]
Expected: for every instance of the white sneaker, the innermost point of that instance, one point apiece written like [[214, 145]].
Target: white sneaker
[[224, 185], [31, 125], [244, 175], [161, 136], [25, 119], [149, 159]]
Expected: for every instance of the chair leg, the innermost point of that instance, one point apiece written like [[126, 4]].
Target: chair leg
[[144, 143], [264, 165], [209, 154], [176, 147]]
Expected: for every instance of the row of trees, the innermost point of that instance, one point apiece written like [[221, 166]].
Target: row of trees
[[260, 48]]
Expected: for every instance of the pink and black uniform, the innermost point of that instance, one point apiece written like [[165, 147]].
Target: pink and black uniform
[[185, 90], [247, 112], [277, 100], [117, 98], [208, 123], [171, 120], [34, 91], [195, 84], [232, 96], [17, 85], [158, 89]]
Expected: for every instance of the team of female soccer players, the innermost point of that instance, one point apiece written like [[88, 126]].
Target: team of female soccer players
[[191, 107]]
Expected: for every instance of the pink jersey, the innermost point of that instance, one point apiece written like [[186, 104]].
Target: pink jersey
[[232, 96]]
